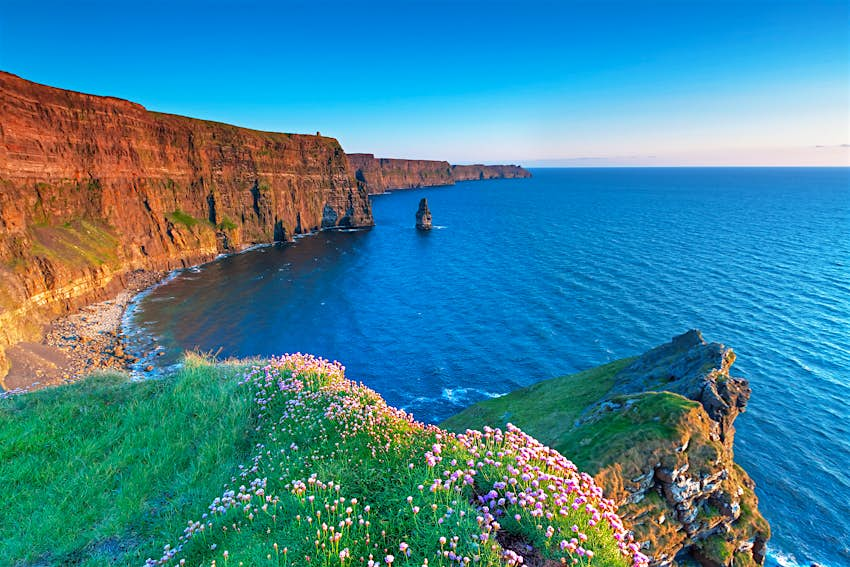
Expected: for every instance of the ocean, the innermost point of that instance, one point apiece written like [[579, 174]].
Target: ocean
[[523, 280]]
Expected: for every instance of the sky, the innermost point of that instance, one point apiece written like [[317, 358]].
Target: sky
[[537, 83]]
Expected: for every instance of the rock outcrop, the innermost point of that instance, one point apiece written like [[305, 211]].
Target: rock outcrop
[[382, 174], [92, 188], [657, 433], [688, 477], [423, 215]]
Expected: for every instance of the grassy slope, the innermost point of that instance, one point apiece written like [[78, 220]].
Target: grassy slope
[[100, 468], [548, 410], [108, 472]]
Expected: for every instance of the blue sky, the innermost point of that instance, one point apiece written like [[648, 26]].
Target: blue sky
[[540, 83]]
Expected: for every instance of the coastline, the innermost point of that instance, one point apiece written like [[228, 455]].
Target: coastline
[[72, 346], [98, 337]]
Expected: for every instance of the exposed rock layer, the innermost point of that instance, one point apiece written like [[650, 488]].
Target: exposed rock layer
[[657, 433], [689, 478], [92, 188], [381, 174], [481, 172]]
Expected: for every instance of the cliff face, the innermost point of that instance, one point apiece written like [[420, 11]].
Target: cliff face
[[93, 187], [688, 477], [381, 174], [480, 172], [657, 433]]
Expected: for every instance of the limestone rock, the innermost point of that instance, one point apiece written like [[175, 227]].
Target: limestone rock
[[481, 172]]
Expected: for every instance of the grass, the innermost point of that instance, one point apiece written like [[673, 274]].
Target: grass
[[78, 242], [101, 468], [178, 216], [227, 224], [555, 412], [547, 410], [290, 465]]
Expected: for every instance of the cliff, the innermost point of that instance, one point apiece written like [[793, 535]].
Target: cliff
[[480, 172], [656, 431], [92, 188], [382, 174]]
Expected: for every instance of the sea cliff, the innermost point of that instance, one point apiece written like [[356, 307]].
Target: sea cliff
[[93, 188], [480, 172], [382, 174], [656, 431]]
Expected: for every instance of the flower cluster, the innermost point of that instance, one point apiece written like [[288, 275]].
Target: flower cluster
[[338, 477]]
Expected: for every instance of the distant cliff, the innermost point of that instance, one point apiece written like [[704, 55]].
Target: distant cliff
[[657, 433], [93, 187], [381, 174], [480, 172]]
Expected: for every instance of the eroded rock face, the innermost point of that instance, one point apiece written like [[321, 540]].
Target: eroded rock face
[[423, 216], [697, 370], [682, 492], [480, 172], [382, 174], [94, 187]]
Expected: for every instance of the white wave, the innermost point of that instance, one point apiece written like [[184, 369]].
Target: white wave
[[462, 395], [781, 559]]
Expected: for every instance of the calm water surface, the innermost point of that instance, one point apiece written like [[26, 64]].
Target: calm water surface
[[529, 279]]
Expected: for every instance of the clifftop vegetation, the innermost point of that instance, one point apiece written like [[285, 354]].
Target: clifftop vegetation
[[278, 463]]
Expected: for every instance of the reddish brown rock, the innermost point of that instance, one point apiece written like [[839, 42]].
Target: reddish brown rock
[[94, 187], [381, 174], [481, 172]]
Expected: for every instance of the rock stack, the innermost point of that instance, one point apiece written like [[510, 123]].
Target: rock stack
[[423, 216]]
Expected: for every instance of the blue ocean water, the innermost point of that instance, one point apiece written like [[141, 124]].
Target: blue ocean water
[[522, 280]]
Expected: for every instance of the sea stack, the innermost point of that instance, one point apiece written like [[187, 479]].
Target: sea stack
[[423, 216]]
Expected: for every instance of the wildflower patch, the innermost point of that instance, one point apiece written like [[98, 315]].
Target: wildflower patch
[[338, 477]]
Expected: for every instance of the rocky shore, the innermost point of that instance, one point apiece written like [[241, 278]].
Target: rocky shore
[[75, 345]]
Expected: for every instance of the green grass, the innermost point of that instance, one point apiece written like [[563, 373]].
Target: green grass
[[110, 472], [546, 410], [100, 469], [178, 216], [78, 242], [227, 224], [552, 409]]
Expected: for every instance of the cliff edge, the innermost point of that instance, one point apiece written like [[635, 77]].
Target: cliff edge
[[381, 174], [656, 431], [93, 188]]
